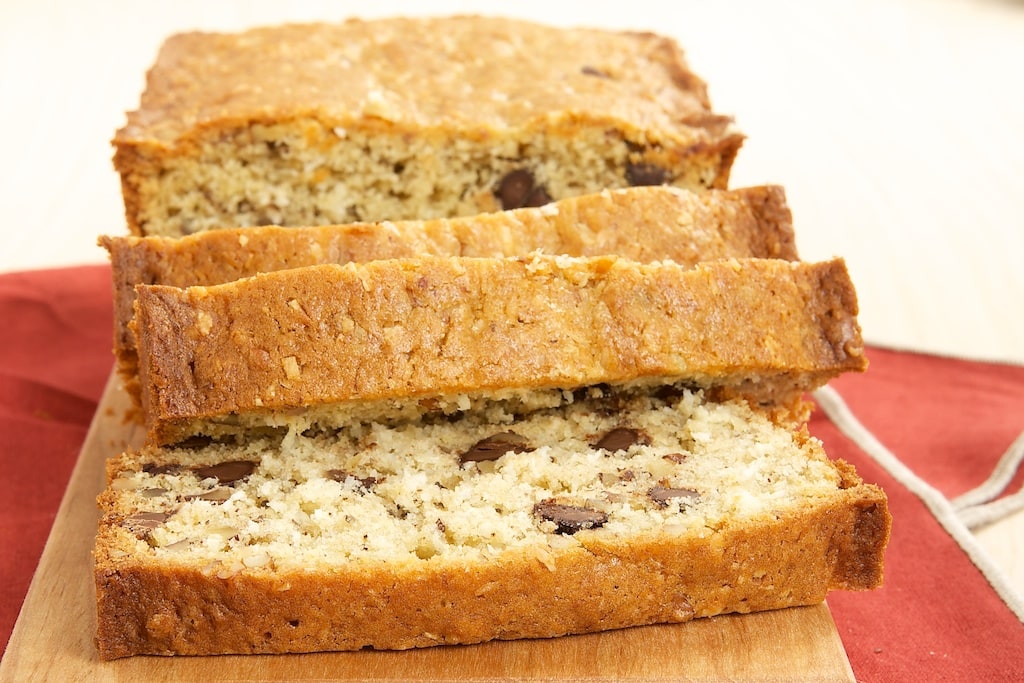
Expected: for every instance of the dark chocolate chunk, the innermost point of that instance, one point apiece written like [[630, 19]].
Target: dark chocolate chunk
[[495, 446], [669, 392], [142, 523], [663, 494], [341, 475], [621, 439], [569, 518], [194, 442], [519, 189], [677, 458], [538, 197], [515, 189], [646, 174], [226, 472]]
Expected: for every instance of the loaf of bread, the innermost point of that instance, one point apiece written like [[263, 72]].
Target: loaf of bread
[[447, 330], [608, 511], [409, 118], [322, 345], [641, 223]]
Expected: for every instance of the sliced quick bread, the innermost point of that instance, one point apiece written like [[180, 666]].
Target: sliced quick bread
[[615, 509], [323, 345], [643, 223]]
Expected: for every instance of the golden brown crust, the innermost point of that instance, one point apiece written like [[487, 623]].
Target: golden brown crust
[[644, 224], [394, 79], [409, 329], [866, 528], [397, 72], [794, 559]]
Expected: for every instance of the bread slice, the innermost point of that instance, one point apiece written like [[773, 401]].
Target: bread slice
[[643, 223], [409, 118], [323, 345], [609, 511]]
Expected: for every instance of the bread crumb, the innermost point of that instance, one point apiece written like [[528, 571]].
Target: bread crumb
[[205, 322]]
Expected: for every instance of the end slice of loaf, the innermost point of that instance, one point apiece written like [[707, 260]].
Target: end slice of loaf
[[612, 510], [643, 224], [409, 118], [325, 344]]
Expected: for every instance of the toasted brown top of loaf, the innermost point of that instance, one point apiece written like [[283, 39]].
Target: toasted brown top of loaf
[[479, 75], [641, 223], [415, 331]]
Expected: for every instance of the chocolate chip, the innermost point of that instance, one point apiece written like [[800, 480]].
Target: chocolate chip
[[592, 71], [515, 188], [538, 197], [519, 189], [569, 519], [621, 439], [141, 524], [645, 174], [669, 393], [194, 442], [226, 472], [677, 458], [495, 446], [663, 494], [341, 475]]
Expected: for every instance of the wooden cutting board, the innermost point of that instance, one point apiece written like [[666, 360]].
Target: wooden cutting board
[[53, 637]]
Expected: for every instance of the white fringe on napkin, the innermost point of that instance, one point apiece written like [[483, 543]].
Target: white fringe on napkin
[[983, 505], [836, 409]]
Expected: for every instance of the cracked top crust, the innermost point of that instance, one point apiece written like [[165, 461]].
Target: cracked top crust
[[479, 75]]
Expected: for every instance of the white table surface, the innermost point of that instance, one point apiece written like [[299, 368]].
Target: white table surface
[[896, 126]]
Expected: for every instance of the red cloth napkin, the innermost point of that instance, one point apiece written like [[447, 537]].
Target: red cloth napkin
[[936, 618], [55, 357], [949, 421]]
